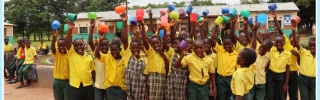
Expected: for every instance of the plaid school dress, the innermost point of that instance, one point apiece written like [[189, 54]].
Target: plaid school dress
[[177, 82], [135, 81]]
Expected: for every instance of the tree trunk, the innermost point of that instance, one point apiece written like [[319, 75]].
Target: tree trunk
[[41, 34], [48, 35], [34, 37]]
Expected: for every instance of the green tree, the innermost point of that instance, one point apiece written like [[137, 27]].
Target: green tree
[[103, 5], [201, 3]]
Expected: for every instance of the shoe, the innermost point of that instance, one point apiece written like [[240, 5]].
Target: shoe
[[9, 79], [19, 87], [13, 81], [9, 82]]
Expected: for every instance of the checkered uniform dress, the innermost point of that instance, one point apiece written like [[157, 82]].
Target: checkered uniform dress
[[177, 82], [8, 58], [135, 81]]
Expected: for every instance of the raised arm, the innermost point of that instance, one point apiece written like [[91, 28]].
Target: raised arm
[[151, 23], [294, 36], [254, 37], [165, 41], [53, 42], [97, 51], [274, 15], [91, 44], [173, 28], [69, 35], [124, 38], [201, 28], [245, 24], [144, 37], [214, 35], [176, 28], [193, 33], [182, 53], [205, 25], [232, 29]]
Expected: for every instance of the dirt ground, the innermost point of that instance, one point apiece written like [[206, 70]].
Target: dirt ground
[[26, 93]]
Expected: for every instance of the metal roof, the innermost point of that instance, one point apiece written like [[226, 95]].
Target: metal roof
[[213, 10], [8, 24]]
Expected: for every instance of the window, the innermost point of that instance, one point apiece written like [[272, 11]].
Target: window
[[271, 24], [83, 29]]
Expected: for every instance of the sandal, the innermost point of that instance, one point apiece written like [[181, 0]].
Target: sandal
[[19, 87]]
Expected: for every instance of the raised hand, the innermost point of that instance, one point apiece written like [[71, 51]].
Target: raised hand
[[92, 23], [256, 26], [245, 20], [234, 19], [54, 33], [124, 16], [150, 15], [274, 15], [70, 25]]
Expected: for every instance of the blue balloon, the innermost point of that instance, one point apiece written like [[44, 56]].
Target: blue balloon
[[262, 19], [161, 33], [134, 21], [250, 22], [55, 25]]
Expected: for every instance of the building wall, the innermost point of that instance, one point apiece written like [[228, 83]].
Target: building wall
[[112, 25], [8, 32]]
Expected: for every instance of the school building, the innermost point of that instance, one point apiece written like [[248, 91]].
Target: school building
[[8, 31], [285, 12]]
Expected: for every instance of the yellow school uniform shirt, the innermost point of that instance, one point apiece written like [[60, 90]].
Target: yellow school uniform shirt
[[293, 59], [100, 74], [307, 63], [242, 81], [61, 66], [155, 61], [227, 62], [43, 46], [8, 47], [214, 58], [128, 54], [199, 68], [30, 53], [115, 71], [239, 46], [80, 68], [279, 61], [260, 66], [18, 53]]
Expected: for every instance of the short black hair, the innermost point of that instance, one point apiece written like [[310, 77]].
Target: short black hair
[[135, 41], [209, 40], [228, 36], [21, 41], [279, 35], [179, 39], [249, 56], [116, 44], [312, 39], [269, 43], [198, 40], [6, 37], [157, 37], [292, 35], [77, 40], [62, 38], [27, 40]]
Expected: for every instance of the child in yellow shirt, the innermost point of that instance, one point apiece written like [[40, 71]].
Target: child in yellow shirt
[[307, 76], [8, 50], [81, 66], [213, 55], [60, 69], [243, 79], [30, 54], [261, 64], [201, 68], [227, 58]]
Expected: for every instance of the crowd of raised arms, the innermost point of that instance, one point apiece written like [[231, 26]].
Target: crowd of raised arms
[[174, 64]]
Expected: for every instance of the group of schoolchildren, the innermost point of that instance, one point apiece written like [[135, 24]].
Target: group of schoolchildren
[[18, 61], [149, 67]]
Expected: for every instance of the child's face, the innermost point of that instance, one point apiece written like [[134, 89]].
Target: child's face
[[156, 44], [240, 60], [183, 34], [6, 40], [227, 45], [176, 45], [21, 44], [312, 47], [207, 45], [264, 36], [41, 41], [199, 49], [189, 41], [62, 46], [115, 51], [104, 46], [292, 42], [243, 39], [79, 46], [263, 49], [184, 28], [279, 41], [135, 48], [28, 44]]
